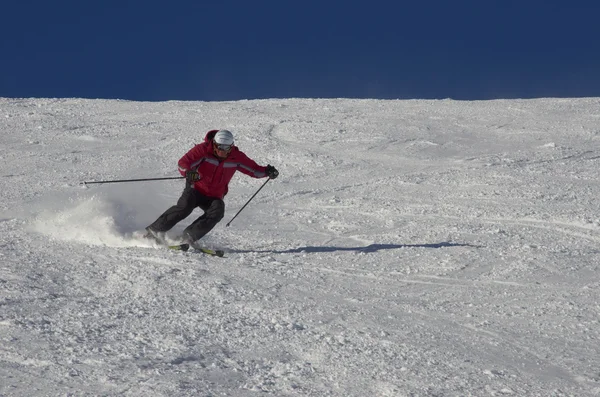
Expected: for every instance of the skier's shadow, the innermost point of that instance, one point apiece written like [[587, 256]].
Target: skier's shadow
[[366, 249]]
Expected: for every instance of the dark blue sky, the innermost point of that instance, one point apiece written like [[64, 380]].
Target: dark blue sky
[[228, 50]]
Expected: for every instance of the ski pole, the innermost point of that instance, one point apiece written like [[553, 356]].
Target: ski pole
[[134, 180], [263, 185]]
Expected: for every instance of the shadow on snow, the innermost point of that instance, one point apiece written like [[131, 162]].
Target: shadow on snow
[[365, 249]]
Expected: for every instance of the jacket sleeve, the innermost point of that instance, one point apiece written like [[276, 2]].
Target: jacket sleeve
[[192, 159], [250, 167]]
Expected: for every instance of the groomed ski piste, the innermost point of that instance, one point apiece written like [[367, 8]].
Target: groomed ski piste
[[408, 248]]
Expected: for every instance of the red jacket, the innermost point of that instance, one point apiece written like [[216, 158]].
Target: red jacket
[[215, 173]]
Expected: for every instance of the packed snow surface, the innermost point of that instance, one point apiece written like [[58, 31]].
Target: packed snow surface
[[408, 248]]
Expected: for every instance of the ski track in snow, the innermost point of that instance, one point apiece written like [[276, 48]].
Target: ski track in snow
[[409, 248]]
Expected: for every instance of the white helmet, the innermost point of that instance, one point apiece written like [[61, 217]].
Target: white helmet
[[223, 137]]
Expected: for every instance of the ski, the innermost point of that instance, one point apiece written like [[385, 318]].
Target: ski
[[179, 247], [208, 251], [186, 247]]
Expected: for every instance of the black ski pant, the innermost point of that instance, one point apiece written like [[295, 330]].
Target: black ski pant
[[214, 210]]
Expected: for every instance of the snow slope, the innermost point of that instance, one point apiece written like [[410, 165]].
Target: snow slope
[[408, 248]]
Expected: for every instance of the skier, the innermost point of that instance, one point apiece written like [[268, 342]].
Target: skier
[[208, 167]]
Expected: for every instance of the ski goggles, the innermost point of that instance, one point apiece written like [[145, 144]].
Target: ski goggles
[[222, 147]]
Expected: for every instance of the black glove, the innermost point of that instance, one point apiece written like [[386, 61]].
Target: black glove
[[192, 176], [272, 172]]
